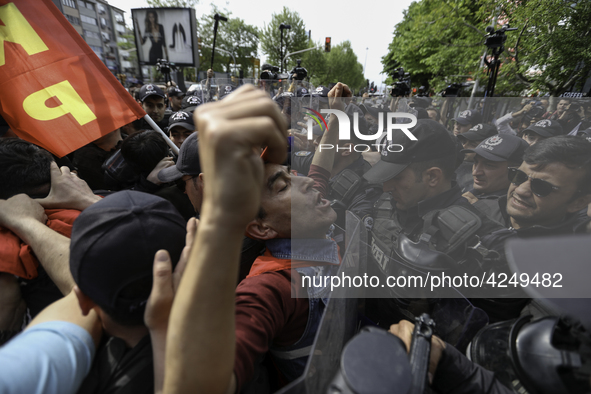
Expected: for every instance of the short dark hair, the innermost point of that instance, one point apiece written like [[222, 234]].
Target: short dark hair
[[144, 150], [564, 149], [25, 168], [438, 117], [447, 164]]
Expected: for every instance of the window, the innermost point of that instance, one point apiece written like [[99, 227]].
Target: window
[[119, 18], [69, 3], [98, 51], [101, 9], [89, 20], [103, 22], [92, 34], [106, 37], [120, 29], [121, 39], [72, 19], [85, 4]]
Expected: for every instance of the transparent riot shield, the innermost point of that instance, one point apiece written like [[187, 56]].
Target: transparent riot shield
[[340, 320], [214, 89]]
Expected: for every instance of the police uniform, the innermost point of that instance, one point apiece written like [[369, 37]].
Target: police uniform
[[497, 148], [446, 226]]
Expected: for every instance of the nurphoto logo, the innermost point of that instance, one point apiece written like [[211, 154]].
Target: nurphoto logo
[[345, 129]]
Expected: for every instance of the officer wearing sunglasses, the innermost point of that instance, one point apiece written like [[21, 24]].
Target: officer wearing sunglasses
[[550, 191], [493, 158]]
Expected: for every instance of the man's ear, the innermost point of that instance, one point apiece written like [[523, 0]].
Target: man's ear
[[259, 229], [579, 203], [200, 181], [86, 304], [433, 176]]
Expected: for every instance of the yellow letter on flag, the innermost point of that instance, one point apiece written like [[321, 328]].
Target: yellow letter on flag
[[16, 29], [72, 103]]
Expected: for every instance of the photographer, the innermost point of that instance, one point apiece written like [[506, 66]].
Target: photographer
[[570, 117], [515, 122]]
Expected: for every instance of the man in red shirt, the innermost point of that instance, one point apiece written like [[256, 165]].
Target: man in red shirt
[[264, 313]]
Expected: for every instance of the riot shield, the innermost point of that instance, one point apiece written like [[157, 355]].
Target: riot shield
[[214, 89], [340, 320]]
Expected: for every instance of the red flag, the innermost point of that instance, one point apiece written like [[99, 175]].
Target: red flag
[[54, 90]]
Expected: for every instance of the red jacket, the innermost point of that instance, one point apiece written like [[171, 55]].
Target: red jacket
[[17, 258]]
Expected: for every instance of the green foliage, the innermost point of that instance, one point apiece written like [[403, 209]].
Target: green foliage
[[314, 61], [552, 47], [294, 39], [234, 36], [173, 3], [438, 42], [343, 66], [441, 41]]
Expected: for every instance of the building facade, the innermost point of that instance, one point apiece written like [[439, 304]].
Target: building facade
[[102, 26]]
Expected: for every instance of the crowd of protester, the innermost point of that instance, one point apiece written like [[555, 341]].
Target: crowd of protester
[[93, 245]]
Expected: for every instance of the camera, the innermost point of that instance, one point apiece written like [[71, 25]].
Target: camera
[[537, 109], [299, 71], [402, 87], [270, 71], [575, 107], [496, 39], [165, 67]]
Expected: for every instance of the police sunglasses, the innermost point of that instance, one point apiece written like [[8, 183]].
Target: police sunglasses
[[539, 187]]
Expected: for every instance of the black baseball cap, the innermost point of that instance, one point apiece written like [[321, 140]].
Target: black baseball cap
[[190, 103], [420, 102], [479, 132], [585, 134], [113, 245], [469, 116], [225, 90], [187, 163], [373, 111], [175, 92], [182, 119], [433, 142], [150, 90], [302, 91], [501, 147], [320, 91], [546, 128]]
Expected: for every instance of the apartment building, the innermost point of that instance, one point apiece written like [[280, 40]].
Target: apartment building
[[102, 26]]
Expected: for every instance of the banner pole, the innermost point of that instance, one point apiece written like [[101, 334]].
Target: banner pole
[[173, 147]]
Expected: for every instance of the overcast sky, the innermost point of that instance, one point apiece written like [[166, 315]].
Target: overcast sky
[[367, 24]]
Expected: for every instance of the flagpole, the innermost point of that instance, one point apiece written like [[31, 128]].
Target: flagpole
[[173, 147]]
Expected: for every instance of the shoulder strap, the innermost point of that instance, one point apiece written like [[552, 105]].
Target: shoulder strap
[[344, 186], [451, 227]]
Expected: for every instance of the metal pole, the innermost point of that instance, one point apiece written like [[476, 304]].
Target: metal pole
[[476, 84], [215, 35], [217, 18], [171, 144], [281, 48], [365, 63]]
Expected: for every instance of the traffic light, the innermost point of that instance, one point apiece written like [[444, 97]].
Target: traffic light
[[327, 45]]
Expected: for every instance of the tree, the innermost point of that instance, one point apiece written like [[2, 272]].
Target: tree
[[438, 42], [173, 3], [343, 66], [294, 39], [441, 41], [552, 46], [314, 61], [233, 36]]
